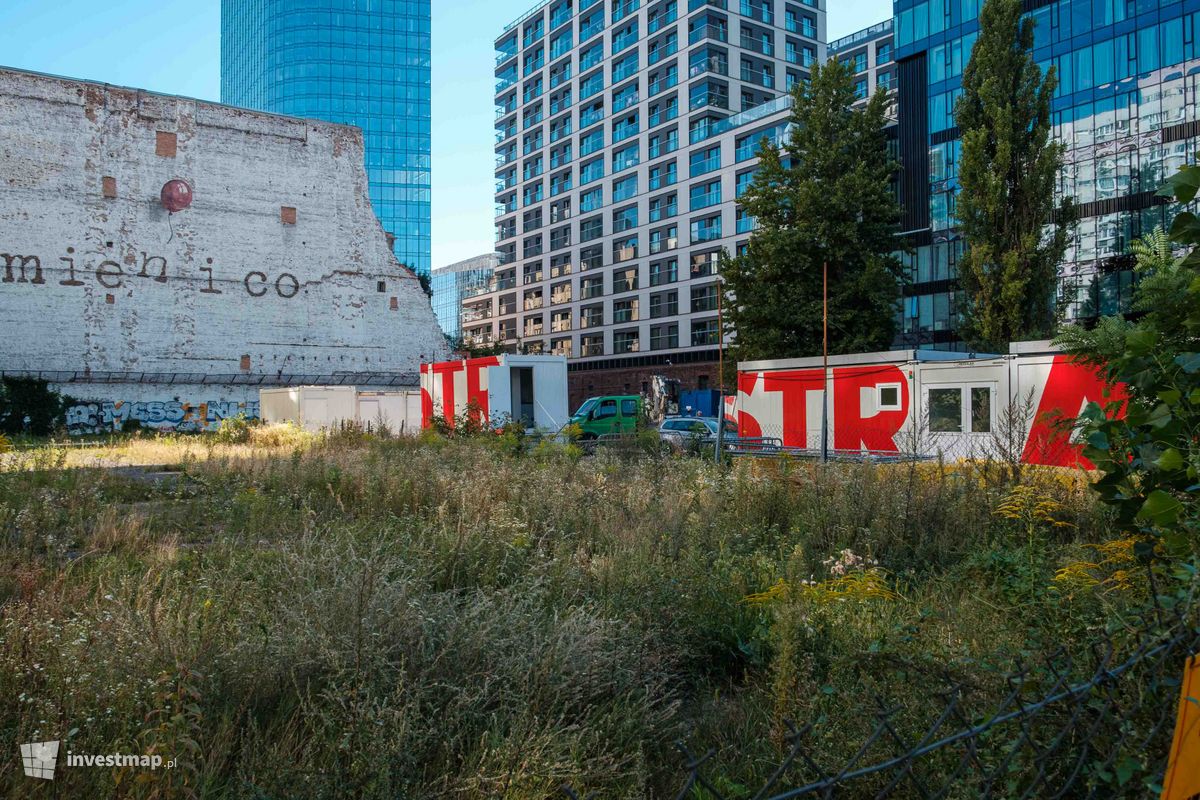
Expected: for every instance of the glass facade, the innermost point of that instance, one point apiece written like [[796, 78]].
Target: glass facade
[[356, 62], [457, 282], [1126, 109]]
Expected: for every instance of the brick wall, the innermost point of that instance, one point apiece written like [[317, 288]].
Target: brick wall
[[278, 267], [582, 384]]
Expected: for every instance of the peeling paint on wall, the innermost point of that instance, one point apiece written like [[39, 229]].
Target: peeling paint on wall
[[94, 284]]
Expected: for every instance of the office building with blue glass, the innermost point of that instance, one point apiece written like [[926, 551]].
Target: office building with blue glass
[[356, 62], [453, 283], [1126, 108]]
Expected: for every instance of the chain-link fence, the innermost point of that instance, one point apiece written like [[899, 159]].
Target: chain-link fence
[[1061, 726]]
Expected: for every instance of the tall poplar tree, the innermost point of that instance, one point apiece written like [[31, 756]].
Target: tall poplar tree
[[1007, 174], [824, 195]]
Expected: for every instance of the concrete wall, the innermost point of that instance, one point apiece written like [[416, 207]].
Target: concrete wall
[[278, 272]]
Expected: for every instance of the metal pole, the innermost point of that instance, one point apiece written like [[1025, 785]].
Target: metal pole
[[721, 374], [824, 361]]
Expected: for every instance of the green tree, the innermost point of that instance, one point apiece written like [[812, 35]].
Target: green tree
[[824, 196], [1150, 457], [1007, 174]]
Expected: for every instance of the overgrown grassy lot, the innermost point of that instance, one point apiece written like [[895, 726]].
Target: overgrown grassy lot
[[353, 616]]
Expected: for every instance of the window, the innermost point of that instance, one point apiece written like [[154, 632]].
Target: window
[[883, 52], [624, 188], [591, 84], [625, 310], [591, 170], [625, 249], [706, 229], [704, 332], [663, 239], [590, 288], [560, 210], [664, 337], [560, 237], [606, 410], [981, 409], [625, 280], [591, 257], [626, 342], [705, 160], [591, 316], [629, 407], [625, 66], [704, 264], [704, 298], [887, 397], [662, 272], [625, 158], [945, 410], [625, 218], [948, 415], [592, 199], [591, 228], [560, 321], [704, 195], [662, 175], [590, 56], [625, 127], [662, 207], [664, 304]]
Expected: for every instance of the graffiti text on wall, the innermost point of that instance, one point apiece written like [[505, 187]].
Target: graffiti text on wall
[[72, 270], [164, 415]]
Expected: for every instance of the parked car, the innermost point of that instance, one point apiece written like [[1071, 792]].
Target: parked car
[[598, 416], [682, 433]]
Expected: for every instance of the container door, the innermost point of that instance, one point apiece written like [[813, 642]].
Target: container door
[[960, 419]]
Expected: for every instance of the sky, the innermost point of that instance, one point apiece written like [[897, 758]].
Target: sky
[[174, 46]]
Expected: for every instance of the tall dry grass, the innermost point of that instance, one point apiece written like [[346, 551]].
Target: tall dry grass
[[350, 616]]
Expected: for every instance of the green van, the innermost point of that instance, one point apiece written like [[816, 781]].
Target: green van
[[610, 414]]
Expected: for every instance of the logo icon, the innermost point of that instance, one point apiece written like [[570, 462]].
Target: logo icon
[[39, 759]]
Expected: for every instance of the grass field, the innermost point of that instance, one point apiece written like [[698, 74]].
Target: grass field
[[294, 616]]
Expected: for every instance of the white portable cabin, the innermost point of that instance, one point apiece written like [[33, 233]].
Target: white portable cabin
[[320, 407], [956, 405], [529, 388]]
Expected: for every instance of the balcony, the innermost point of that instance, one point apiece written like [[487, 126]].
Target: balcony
[[760, 13], [716, 32], [662, 84], [758, 45], [622, 103], [661, 21], [660, 52], [592, 349], [664, 244], [659, 213], [623, 10], [560, 325], [715, 64], [658, 118], [757, 77]]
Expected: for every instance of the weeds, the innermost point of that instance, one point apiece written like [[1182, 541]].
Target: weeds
[[357, 614]]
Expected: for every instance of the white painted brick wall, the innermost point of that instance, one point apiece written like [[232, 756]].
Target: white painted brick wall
[[95, 298]]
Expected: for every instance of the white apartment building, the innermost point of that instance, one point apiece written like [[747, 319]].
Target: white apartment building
[[626, 131]]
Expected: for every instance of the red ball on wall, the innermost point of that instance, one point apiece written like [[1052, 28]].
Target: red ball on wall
[[176, 195]]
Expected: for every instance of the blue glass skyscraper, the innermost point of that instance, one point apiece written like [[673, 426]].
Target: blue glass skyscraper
[[356, 62], [1127, 109]]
